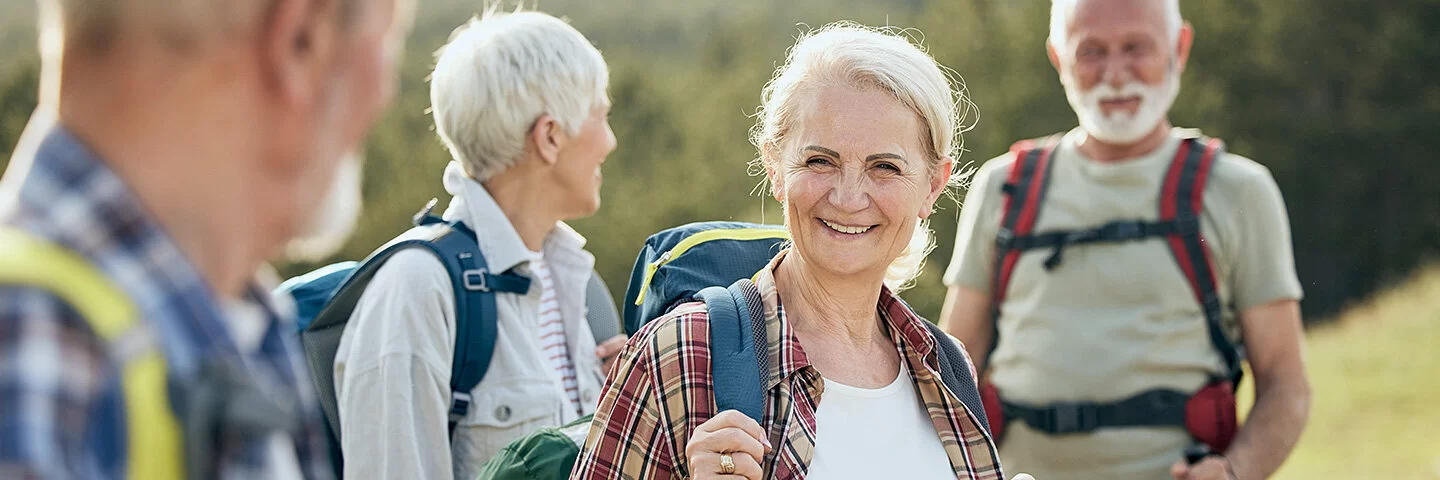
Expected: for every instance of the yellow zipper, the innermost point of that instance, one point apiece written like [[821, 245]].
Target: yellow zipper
[[702, 237]]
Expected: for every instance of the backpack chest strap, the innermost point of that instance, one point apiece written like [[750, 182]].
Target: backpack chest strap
[[1113, 232]]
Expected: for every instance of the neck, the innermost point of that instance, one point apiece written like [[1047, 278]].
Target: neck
[[159, 131], [1103, 152], [529, 208], [829, 305]]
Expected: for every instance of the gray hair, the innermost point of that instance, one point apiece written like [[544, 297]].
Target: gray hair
[[1063, 11], [500, 73], [887, 59]]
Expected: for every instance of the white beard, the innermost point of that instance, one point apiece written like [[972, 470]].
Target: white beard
[[328, 224], [1121, 127]]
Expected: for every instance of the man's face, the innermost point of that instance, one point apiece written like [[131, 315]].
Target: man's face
[[353, 93], [1119, 68]]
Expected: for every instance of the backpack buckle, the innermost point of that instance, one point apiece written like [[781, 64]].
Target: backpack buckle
[[1005, 238], [459, 406], [1068, 417], [474, 279]]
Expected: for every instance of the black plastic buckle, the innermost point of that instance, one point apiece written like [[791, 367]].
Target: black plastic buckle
[[1004, 239], [1062, 418], [1126, 230], [474, 279], [459, 406]]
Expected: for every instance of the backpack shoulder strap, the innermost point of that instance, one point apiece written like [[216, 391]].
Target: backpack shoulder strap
[[738, 355], [476, 326], [153, 440], [476, 315], [1024, 194], [1181, 201], [955, 373]]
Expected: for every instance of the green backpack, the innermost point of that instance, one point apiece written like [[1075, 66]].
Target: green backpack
[[545, 454]]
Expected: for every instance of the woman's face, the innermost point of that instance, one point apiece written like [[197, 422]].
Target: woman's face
[[855, 178]]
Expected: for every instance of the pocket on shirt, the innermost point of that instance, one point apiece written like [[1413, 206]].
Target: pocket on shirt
[[502, 412]]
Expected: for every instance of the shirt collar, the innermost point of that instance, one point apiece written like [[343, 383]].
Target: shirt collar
[[785, 351], [498, 238]]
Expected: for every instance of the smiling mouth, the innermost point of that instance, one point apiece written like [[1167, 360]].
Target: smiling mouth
[[848, 230]]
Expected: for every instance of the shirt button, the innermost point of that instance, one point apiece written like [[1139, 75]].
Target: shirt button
[[502, 413]]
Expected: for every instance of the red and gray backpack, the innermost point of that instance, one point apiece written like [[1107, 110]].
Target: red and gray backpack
[[1209, 414]]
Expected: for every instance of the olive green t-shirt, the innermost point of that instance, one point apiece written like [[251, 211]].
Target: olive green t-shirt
[[1116, 319]]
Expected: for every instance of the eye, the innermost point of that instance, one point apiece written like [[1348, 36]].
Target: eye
[[888, 166], [818, 162]]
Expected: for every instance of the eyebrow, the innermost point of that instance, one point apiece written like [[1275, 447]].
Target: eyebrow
[[835, 154]]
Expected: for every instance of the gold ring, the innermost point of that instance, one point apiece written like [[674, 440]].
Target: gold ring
[[727, 464]]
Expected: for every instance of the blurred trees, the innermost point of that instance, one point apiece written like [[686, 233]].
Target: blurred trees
[[1336, 97]]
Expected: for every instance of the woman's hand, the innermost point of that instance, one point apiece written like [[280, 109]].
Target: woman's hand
[[730, 445], [608, 351]]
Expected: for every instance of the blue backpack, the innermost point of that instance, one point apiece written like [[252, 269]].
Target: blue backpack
[[326, 297]]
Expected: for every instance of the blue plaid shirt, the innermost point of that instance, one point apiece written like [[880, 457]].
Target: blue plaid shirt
[[61, 414]]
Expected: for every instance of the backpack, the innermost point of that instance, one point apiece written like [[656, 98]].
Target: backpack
[[1179, 226], [326, 297], [155, 449], [684, 264], [216, 399]]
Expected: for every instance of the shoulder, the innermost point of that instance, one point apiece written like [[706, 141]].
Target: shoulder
[[408, 270], [1238, 177], [681, 334], [995, 169]]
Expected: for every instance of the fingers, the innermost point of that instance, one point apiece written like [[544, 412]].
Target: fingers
[[1179, 469], [707, 465], [1209, 468], [610, 347], [728, 440], [735, 419]]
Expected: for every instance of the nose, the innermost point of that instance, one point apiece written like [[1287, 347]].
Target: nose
[[1116, 71], [849, 194]]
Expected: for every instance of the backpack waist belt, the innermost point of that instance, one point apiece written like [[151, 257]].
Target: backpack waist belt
[[1154, 408]]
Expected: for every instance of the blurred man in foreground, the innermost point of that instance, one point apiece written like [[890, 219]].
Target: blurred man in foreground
[[178, 146]]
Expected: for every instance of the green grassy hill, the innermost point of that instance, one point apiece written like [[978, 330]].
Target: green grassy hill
[[1376, 379]]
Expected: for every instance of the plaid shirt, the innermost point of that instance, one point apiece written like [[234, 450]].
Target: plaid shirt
[[660, 391], [61, 414]]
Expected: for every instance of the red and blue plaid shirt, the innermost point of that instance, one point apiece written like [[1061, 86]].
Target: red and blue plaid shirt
[[61, 412], [660, 391]]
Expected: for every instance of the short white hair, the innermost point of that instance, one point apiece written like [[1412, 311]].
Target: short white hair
[[887, 59], [1063, 11], [503, 71]]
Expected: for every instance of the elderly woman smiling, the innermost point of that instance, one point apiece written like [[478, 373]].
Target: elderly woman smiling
[[855, 134]]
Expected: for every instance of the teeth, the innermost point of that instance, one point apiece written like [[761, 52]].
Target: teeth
[[844, 229]]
